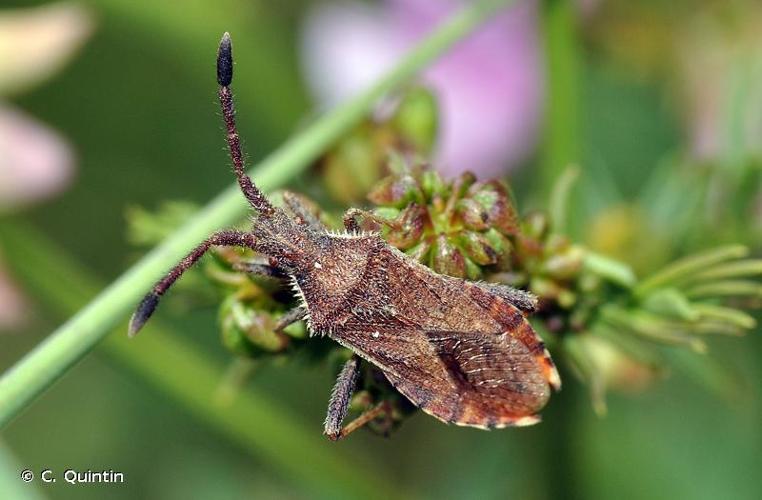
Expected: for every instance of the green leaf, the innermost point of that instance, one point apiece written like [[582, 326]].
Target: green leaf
[[686, 267], [740, 269], [738, 288], [610, 269], [670, 302], [726, 315]]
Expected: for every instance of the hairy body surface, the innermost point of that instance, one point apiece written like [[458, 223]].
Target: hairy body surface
[[454, 348], [462, 351]]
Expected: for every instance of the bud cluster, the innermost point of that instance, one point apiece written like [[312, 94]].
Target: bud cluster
[[610, 328], [358, 160], [458, 228]]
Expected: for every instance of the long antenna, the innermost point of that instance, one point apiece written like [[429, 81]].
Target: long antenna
[[224, 77]]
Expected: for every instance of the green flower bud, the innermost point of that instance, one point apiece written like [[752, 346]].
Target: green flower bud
[[247, 331], [605, 365], [473, 271], [499, 243], [420, 251], [462, 183], [233, 338], [494, 199], [478, 248], [396, 191], [432, 183], [565, 265], [447, 259], [411, 223], [457, 226], [473, 214]]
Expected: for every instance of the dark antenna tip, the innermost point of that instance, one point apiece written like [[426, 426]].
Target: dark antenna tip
[[225, 61], [142, 313]]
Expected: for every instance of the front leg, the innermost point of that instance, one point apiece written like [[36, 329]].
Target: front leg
[[148, 305], [300, 209], [353, 226]]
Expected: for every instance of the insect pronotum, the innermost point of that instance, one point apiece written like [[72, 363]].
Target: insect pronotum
[[461, 351]]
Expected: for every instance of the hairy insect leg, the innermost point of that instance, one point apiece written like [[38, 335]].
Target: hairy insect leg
[[147, 306], [341, 395], [352, 215], [258, 269], [302, 212], [363, 419], [292, 316]]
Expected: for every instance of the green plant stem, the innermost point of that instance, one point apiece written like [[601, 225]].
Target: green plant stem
[[69, 343], [561, 139], [250, 420], [559, 150]]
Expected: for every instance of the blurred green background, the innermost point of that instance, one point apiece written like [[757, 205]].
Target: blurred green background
[[138, 104]]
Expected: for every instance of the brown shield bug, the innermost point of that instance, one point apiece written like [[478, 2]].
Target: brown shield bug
[[462, 351]]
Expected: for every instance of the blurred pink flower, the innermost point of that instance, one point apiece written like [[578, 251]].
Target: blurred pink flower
[[489, 86], [35, 162]]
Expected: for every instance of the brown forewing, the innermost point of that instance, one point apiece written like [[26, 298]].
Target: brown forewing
[[454, 348]]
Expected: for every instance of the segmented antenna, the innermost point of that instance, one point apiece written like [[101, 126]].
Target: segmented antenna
[[224, 77]]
